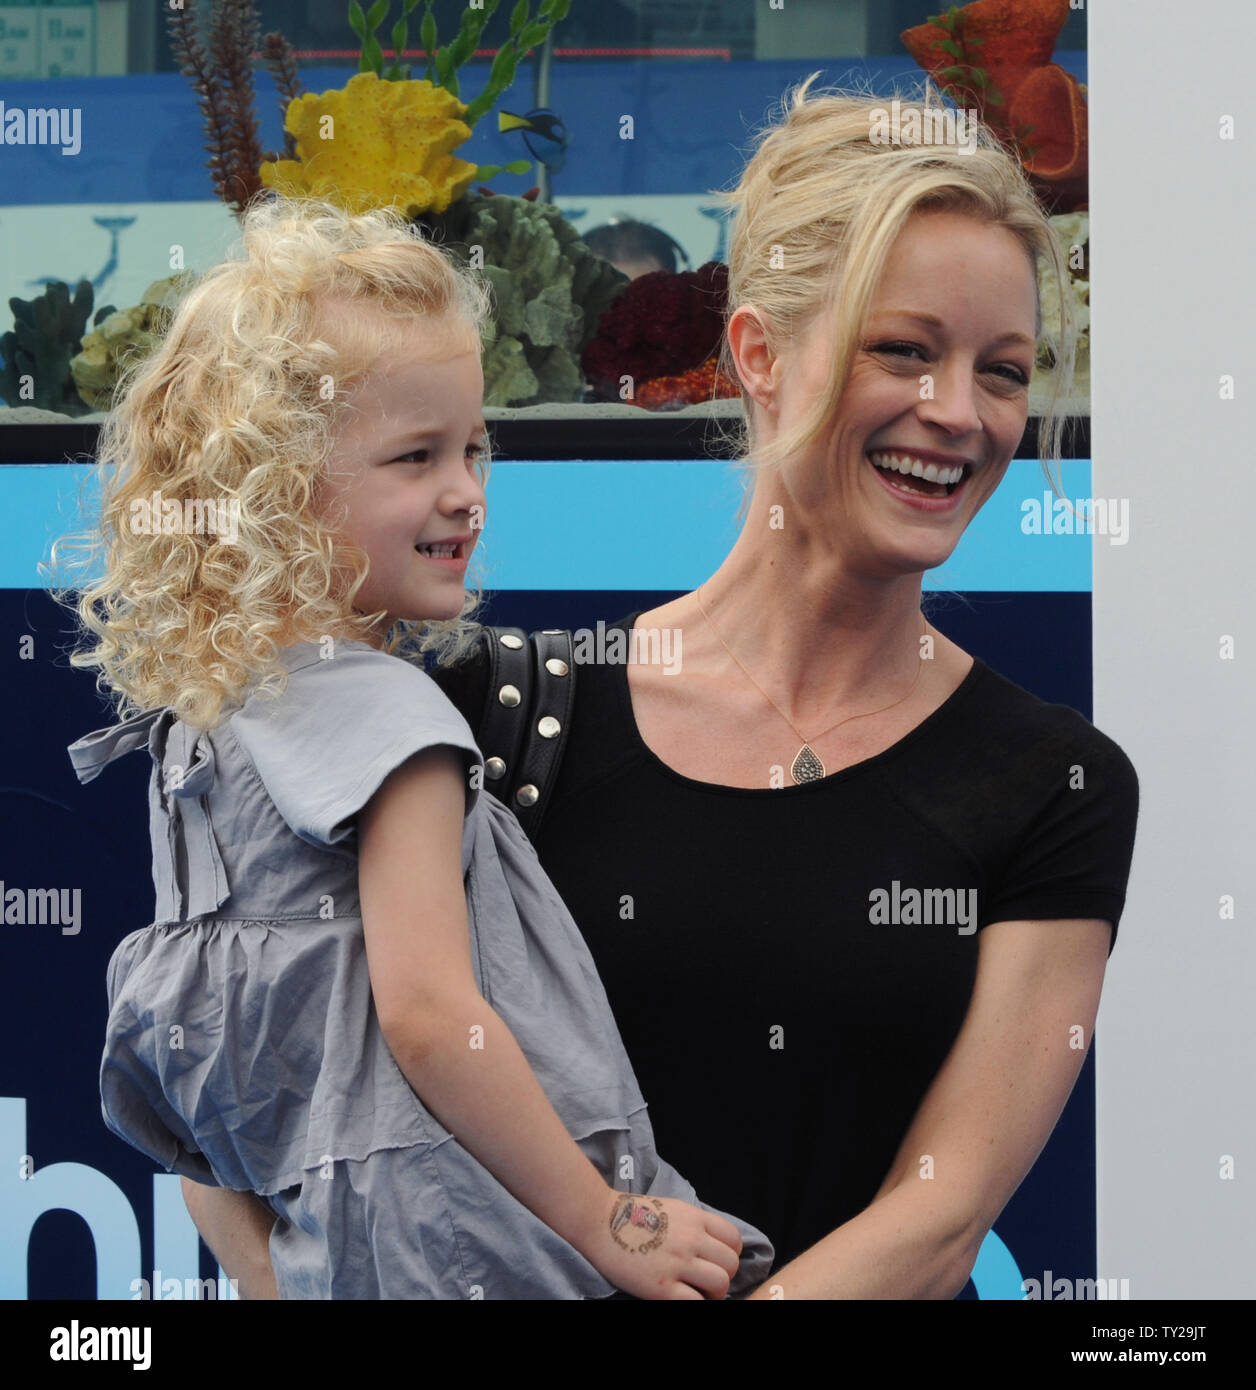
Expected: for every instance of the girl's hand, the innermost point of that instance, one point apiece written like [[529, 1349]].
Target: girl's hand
[[236, 1226], [659, 1247]]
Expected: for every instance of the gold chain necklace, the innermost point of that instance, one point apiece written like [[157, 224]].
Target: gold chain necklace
[[806, 766]]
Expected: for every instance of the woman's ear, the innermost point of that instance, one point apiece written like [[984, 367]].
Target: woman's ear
[[753, 357]]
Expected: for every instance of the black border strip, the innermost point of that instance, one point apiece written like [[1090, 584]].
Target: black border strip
[[657, 435]]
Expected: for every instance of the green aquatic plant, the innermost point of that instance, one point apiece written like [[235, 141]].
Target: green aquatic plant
[[37, 350], [526, 32], [549, 291], [443, 61]]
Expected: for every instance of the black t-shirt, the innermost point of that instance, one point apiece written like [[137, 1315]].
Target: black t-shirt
[[787, 966]]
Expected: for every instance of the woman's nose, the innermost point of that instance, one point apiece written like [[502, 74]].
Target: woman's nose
[[951, 400]]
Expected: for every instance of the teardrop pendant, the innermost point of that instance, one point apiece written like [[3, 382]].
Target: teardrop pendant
[[806, 767]]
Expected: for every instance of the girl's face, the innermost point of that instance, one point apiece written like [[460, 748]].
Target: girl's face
[[403, 477], [941, 376]]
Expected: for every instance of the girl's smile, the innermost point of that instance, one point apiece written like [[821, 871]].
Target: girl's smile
[[451, 553]]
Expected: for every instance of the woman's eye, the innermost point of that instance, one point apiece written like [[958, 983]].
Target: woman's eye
[[897, 349], [1006, 370]]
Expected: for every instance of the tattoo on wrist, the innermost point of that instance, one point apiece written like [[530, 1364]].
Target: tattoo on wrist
[[638, 1225]]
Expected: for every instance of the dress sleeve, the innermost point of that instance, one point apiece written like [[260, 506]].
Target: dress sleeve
[[324, 747], [1074, 859]]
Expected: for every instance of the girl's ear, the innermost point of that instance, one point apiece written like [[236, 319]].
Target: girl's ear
[[757, 365]]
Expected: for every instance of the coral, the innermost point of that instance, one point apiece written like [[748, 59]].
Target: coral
[[281, 59], [443, 61], [1015, 36], [662, 325], [1049, 103], [995, 56], [549, 290], [223, 79], [120, 335], [37, 350], [1072, 234], [390, 146], [526, 32], [704, 383]]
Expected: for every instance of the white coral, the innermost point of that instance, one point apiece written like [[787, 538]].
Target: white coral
[[1072, 231]]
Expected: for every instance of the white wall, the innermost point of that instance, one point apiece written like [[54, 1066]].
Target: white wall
[[1172, 208]]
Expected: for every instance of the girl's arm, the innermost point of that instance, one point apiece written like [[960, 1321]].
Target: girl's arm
[[465, 1064], [236, 1227], [982, 1123]]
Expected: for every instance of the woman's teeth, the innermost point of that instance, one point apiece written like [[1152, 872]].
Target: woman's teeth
[[437, 552], [941, 480]]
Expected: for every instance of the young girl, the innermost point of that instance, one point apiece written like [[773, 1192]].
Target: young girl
[[360, 998]]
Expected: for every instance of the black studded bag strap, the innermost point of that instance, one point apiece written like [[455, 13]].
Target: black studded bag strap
[[500, 729], [524, 714], [549, 722]]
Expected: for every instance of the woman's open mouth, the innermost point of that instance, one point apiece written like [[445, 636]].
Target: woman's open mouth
[[912, 477]]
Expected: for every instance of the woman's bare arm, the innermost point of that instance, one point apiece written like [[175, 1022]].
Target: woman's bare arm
[[982, 1123], [236, 1227]]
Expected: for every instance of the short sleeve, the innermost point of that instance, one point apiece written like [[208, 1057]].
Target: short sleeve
[[325, 746], [1074, 859]]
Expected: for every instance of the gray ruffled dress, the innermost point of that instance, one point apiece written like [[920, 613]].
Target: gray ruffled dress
[[243, 1048]]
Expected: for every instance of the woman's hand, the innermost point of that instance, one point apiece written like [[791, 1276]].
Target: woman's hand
[[662, 1248], [983, 1121]]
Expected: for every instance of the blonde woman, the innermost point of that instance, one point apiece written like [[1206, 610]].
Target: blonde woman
[[785, 815], [355, 956]]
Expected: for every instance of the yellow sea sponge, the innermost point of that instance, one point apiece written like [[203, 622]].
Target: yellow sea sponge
[[375, 143]]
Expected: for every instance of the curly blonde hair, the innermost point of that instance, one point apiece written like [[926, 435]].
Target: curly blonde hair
[[240, 403], [830, 203]]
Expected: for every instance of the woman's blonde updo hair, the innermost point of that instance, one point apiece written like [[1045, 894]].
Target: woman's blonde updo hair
[[239, 405], [815, 214]]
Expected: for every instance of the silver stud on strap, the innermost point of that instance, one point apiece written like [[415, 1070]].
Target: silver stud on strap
[[527, 795], [549, 727], [509, 696], [551, 631], [508, 639], [556, 667], [494, 768]]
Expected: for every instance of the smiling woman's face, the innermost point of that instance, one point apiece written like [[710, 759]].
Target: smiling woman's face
[[940, 377]]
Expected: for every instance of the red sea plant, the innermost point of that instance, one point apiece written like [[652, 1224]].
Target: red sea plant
[[222, 76], [663, 324]]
